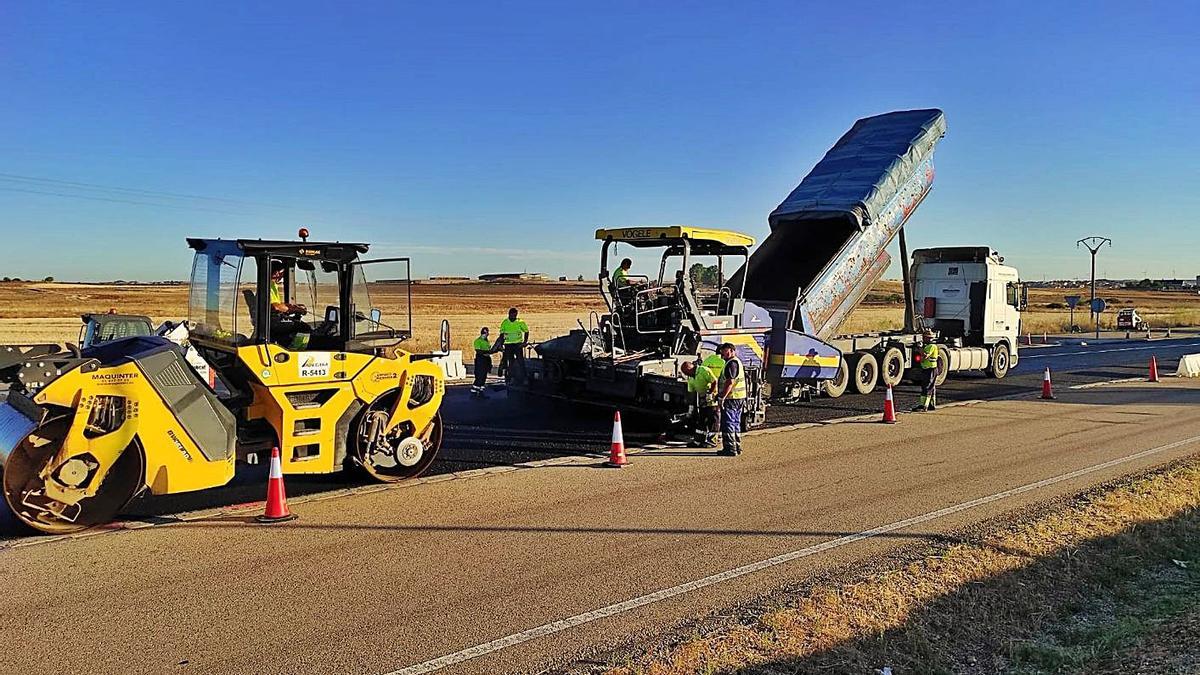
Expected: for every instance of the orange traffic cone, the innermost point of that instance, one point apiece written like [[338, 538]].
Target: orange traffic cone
[[1046, 393], [617, 458], [277, 510], [1153, 368], [889, 407]]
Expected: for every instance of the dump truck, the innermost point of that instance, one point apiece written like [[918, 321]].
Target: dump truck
[[84, 431], [828, 247]]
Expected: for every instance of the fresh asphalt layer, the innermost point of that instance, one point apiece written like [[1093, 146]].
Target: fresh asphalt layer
[[530, 569], [500, 432]]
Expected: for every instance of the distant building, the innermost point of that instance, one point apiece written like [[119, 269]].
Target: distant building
[[515, 276]]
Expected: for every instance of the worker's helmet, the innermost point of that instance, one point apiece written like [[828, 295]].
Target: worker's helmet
[[626, 262], [483, 331], [277, 265], [928, 333]]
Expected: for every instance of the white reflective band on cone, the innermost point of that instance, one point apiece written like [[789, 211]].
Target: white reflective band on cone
[[276, 467], [616, 437]]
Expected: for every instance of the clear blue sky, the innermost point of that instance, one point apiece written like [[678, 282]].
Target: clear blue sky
[[495, 136]]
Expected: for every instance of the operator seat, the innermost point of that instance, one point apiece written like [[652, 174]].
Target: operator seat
[[251, 307]]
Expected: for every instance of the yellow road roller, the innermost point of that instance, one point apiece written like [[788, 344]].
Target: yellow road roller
[[308, 357]]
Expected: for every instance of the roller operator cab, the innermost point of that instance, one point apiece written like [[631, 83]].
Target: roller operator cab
[[970, 298], [307, 357]]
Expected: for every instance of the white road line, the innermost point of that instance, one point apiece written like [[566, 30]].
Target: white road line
[[650, 598], [1106, 351]]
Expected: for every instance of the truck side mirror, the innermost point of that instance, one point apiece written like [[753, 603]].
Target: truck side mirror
[[1024, 304], [376, 315]]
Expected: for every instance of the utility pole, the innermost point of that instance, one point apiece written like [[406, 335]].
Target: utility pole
[[1093, 245]]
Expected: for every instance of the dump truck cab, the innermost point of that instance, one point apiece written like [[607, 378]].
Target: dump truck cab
[[689, 298]]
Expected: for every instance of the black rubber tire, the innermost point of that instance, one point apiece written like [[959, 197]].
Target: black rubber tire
[[1000, 362], [837, 386], [891, 367], [865, 373]]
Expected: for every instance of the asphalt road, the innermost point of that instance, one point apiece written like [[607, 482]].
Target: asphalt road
[[533, 568], [500, 432]]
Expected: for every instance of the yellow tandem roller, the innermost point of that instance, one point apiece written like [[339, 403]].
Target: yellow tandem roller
[[82, 433]]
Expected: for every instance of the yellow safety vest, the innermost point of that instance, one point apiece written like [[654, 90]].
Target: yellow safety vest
[[481, 344], [929, 356], [739, 383], [513, 331], [715, 364], [621, 277], [702, 381], [276, 294]]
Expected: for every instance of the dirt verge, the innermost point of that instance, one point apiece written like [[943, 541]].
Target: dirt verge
[[1108, 582]]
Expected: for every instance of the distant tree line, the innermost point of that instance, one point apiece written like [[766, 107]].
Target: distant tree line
[[6, 280], [705, 275]]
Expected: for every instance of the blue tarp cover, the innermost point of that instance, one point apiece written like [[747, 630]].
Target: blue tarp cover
[[861, 173]]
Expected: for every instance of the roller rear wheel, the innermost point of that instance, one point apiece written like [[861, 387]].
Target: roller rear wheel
[[25, 493]]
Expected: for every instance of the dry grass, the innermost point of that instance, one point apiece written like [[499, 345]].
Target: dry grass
[[49, 312], [1068, 591], [41, 312]]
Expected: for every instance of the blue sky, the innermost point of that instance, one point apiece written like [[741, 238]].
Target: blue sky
[[496, 136]]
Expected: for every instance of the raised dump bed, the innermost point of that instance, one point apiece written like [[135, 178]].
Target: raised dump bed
[[829, 238]]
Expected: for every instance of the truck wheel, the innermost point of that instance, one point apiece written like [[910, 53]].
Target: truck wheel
[[866, 373], [891, 368], [837, 386], [943, 367], [999, 365]]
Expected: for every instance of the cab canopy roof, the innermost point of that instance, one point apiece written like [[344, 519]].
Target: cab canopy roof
[[339, 252], [704, 241]]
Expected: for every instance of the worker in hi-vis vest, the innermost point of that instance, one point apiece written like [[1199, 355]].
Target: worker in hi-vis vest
[[927, 358], [703, 383], [731, 395], [515, 335], [621, 276], [484, 348]]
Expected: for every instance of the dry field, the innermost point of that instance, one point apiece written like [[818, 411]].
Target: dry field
[[49, 312]]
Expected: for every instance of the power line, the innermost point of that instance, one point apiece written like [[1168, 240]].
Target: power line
[[12, 177], [191, 207]]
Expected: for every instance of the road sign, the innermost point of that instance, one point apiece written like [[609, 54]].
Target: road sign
[[1072, 300], [1098, 305]]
